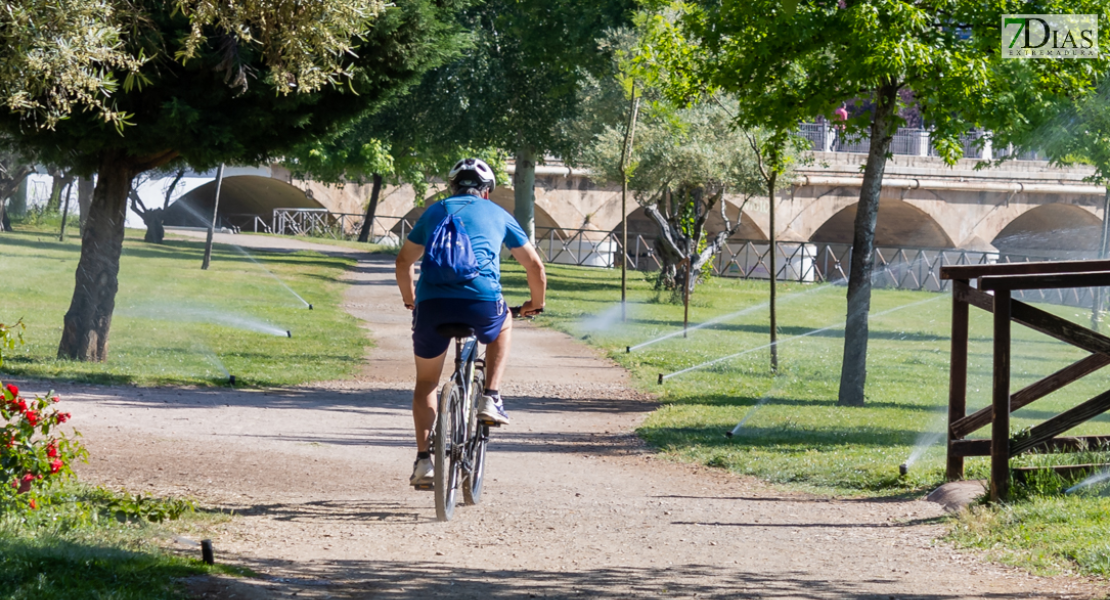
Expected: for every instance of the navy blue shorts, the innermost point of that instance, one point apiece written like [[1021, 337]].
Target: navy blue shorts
[[485, 316]]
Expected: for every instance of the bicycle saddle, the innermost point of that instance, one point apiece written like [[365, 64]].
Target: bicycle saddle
[[455, 330]]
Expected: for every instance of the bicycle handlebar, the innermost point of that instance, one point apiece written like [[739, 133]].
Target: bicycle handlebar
[[515, 310]]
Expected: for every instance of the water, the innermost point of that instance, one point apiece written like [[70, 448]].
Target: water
[[836, 325], [926, 439], [782, 299], [197, 314], [730, 316], [603, 321], [1093, 479], [270, 273], [763, 400], [215, 360]]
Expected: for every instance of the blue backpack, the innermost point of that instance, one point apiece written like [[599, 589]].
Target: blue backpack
[[448, 256]]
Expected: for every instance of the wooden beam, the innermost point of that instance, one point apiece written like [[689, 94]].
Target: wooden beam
[[1062, 422], [1059, 328], [1041, 282], [1070, 473], [974, 297], [1027, 268], [961, 428], [1072, 444], [969, 448]]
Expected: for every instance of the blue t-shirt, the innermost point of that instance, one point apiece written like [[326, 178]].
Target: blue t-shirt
[[488, 226]]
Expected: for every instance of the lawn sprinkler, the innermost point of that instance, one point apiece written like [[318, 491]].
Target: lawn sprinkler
[[628, 349], [660, 379], [904, 469], [309, 307], [728, 434], [231, 380], [288, 333]]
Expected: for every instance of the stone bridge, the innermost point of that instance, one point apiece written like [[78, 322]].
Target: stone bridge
[[1019, 206]]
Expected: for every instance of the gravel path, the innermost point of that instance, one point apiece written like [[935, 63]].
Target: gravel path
[[575, 505]]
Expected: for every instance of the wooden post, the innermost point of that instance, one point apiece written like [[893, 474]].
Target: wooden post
[[957, 374], [212, 228], [1000, 425]]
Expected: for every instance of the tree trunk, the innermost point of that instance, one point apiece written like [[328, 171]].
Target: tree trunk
[[212, 226], [85, 334], [524, 197], [84, 198], [9, 187], [58, 183], [371, 209], [853, 372]]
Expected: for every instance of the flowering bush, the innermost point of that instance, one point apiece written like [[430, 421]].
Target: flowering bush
[[32, 451], [30, 454]]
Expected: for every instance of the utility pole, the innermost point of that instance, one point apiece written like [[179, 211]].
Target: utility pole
[[212, 227]]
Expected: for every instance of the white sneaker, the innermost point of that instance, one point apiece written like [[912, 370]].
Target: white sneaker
[[423, 472], [492, 412]]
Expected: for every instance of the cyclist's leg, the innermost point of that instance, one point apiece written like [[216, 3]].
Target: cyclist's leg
[[497, 355], [428, 371]]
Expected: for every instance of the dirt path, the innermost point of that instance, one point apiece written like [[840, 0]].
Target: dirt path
[[574, 506]]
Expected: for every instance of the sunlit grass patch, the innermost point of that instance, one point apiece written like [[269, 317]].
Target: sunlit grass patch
[[176, 324]]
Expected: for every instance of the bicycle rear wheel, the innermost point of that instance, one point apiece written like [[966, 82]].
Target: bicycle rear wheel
[[448, 446], [476, 444]]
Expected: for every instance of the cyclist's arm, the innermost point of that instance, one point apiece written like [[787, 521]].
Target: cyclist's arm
[[537, 277], [406, 272]]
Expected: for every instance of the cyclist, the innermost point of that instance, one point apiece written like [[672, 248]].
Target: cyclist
[[477, 302]]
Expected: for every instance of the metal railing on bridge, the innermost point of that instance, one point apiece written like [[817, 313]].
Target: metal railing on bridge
[[904, 268]]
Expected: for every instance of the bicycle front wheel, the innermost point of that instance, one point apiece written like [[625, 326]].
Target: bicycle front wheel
[[448, 446]]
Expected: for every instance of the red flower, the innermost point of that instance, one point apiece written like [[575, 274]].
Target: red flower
[[19, 405], [63, 417], [28, 478], [52, 450], [56, 465], [32, 417], [33, 505], [14, 390], [54, 400]]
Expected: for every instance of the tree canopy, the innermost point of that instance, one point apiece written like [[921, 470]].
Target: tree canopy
[[788, 62], [137, 84]]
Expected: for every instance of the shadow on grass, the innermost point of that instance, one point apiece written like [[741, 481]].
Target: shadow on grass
[[787, 438], [701, 398], [49, 568]]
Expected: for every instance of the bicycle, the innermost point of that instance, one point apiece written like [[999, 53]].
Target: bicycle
[[458, 439]]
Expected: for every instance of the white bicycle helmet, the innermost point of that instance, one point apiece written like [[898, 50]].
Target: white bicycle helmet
[[472, 173]]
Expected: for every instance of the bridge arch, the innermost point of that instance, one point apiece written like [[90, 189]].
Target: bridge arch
[[1054, 228], [641, 224], [241, 197], [544, 222], [899, 224]]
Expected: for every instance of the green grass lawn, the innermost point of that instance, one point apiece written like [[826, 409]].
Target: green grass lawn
[[79, 548], [177, 325], [792, 430]]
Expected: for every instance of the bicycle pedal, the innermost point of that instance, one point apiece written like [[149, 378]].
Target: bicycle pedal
[[424, 487], [490, 423]]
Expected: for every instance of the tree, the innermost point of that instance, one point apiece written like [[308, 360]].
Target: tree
[[1077, 130], [519, 84], [792, 61], [685, 161], [203, 82], [15, 166], [402, 143]]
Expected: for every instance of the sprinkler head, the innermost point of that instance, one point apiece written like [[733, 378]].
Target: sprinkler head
[[660, 379], [231, 380], [309, 307], [728, 434], [903, 469], [628, 349], [288, 333]]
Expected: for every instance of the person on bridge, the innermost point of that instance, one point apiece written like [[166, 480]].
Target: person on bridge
[[477, 302]]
